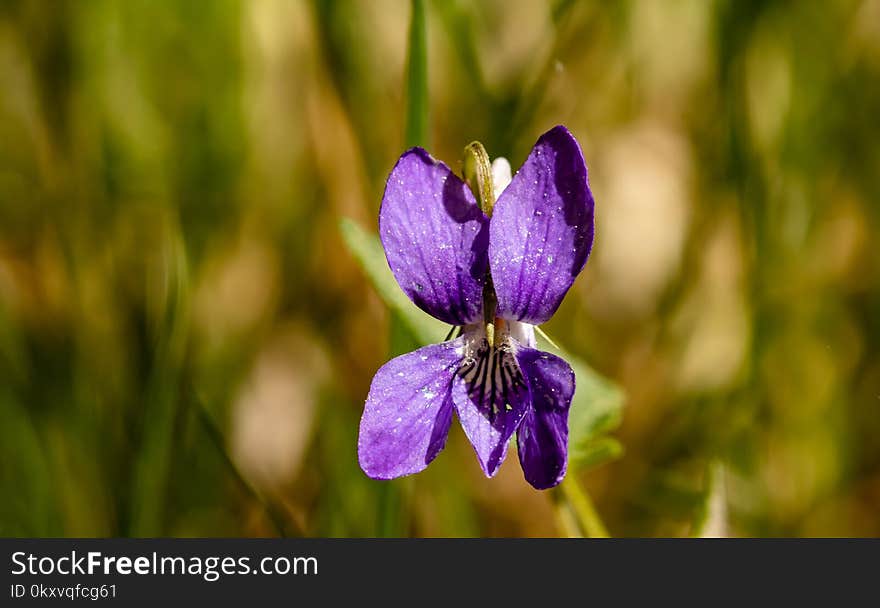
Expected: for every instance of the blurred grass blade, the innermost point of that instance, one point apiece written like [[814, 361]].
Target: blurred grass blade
[[417, 130], [31, 509], [711, 518], [153, 464], [215, 436], [367, 250]]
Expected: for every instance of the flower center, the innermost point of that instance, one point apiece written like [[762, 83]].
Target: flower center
[[492, 376], [490, 371]]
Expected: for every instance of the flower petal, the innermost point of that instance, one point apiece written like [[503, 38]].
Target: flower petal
[[541, 230], [408, 411], [542, 438], [435, 238], [491, 398]]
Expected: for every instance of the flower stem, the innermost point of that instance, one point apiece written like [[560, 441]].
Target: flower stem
[[566, 521], [580, 502], [417, 130]]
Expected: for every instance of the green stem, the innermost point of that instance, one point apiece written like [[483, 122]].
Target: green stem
[[580, 502], [417, 79], [566, 521]]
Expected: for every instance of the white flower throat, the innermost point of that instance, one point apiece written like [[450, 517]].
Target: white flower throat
[[489, 367]]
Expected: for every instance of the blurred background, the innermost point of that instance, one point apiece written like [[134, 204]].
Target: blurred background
[[186, 342]]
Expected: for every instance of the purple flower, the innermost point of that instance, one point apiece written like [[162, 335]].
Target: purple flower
[[494, 279]]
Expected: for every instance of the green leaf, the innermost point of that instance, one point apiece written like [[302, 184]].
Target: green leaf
[[367, 249], [597, 408], [594, 452]]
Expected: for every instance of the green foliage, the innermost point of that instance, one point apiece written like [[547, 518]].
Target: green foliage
[[367, 250], [596, 409]]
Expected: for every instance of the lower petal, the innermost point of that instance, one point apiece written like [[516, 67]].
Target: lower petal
[[408, 411], [542, 438], [491, 399]]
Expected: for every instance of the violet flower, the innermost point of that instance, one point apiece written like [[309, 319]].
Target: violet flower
[[494, 279]]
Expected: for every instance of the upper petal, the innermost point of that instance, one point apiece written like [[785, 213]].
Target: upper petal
[[408, 411], [542, 438], [491, 399], [541, 230], [435, 238]]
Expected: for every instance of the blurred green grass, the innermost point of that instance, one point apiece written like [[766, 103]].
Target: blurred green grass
[[186, 343]]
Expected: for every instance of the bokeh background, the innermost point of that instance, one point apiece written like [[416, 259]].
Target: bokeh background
[[186, 342]]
